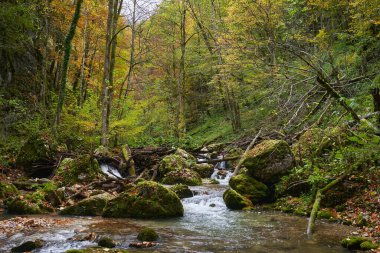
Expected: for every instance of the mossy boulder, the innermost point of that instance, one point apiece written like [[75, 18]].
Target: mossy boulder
[[354, 242], [37, 149], [234, 152], [106, 242], [205, 170], [214, 181], [28, 246], [7, 190], [172, 163], [269, 161], [145, 200], [236, 201], [81, 169], [182, 191], [92, 206], [147, 235], [367, 245], [184, 176], [249, 187], [186, 155], [22, 205]]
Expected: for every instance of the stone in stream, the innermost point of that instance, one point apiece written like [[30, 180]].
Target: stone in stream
[[235, 201], [106, 242], [145, 200], [147, 235], [28, 246], [269, 161], [358, 243], [249, 187], [92, 206], [182, 191]]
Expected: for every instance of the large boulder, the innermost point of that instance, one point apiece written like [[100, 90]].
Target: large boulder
[[236, 201], [269, 161], [81, 169], [38, 149], [145, 200], [26, 205], [92, 206], [249, 187], [184, 176], [186, 155], [173, 162]]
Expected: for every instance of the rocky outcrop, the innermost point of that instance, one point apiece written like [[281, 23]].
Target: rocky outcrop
[[205, 170], [92, 206], [145, 200], [269, 161]]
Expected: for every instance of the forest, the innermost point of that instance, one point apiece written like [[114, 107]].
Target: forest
[[161, 125]]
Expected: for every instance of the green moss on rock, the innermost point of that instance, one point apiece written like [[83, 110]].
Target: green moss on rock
[[235, 201], [106, 242], [368, 245], [7, 190], [81, 169], [145, 200], [184, 176], [172, 163], [182, 191], [205, 170], [147, 235], [324, 214], [214, 181], [23, 206], [269, 161], [353, 243], [249, 187], [92, 206]]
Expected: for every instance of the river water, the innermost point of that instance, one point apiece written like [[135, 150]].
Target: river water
[[207, 226]]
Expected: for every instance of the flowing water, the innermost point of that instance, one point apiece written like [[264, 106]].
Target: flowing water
[[207, 226]]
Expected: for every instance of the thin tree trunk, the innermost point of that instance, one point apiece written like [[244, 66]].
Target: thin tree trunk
[[66, 59], [83, 65]]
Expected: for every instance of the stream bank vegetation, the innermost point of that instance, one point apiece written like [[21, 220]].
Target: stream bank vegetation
[[102, 101]]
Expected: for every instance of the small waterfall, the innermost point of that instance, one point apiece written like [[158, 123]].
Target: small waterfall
[[221, 172], [110, 170]]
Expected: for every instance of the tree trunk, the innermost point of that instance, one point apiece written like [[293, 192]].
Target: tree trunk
[[106, 76], [376, 103], [66, 59], [83, 65]]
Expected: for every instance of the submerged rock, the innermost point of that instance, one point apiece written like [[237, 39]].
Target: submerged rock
[[184, 176], [147, 235], [269, 161], [182, 191], [106, 242], [92, 206], [145, 200], [249, 187], [235, 201], [28, 246]]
